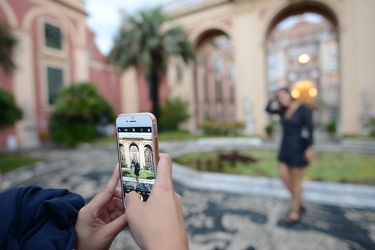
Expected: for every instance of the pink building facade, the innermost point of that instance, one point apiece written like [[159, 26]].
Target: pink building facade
[[55, 48]]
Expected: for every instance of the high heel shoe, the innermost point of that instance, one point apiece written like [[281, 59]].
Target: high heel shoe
[[289, 220], [302, 209]]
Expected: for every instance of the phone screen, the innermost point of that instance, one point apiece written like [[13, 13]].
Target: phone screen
[[136, 159]]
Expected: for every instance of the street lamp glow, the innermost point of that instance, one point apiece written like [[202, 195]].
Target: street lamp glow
[[313, 92], [295, 93], [303, 58]]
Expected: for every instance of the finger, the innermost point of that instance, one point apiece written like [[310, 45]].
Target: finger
[[134, 208], [164, 174], [114, 204], [114, 227], [133, 203], [118, 193], [178, 198], [107, 193], [111, 209], [115, 214]]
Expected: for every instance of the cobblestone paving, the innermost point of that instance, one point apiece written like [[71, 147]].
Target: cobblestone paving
[[214, 220]]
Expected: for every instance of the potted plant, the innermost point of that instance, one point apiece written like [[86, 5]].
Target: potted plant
[[330, 128], [372, 127], [269, 128]]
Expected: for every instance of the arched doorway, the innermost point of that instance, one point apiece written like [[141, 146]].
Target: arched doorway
[[148, 157], [122, 155], [133, 152], [215, 81], [303, 55]]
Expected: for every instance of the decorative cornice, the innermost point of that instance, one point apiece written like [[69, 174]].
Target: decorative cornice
[[76, 5]]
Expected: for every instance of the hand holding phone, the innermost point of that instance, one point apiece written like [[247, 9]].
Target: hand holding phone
[[159, 222], [137, 152], [102, 219]]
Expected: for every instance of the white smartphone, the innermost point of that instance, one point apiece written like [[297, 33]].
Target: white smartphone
[[138, 153]]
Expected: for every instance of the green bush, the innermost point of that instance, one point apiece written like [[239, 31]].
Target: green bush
[[212, 127], [269, 128], [10, 112], [7, 45], [78, 111], [372, 127], [330, 127], [172, 113]]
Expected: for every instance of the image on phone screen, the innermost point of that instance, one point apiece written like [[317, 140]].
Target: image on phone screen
[[136, 159]]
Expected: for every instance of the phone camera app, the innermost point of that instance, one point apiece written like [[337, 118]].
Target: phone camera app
[[137, 160]]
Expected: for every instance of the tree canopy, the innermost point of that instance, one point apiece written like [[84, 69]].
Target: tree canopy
[[148, 40], [7, 44], [78, 111], [10, 112]]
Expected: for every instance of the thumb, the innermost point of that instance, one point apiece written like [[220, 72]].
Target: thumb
[[132, 200], [134, 206]]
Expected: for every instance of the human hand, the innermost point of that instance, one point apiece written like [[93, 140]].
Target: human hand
[[100, 221], [158, 223], [309, 154]]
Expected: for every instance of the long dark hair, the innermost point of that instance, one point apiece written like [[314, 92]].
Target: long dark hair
[[287, 90]]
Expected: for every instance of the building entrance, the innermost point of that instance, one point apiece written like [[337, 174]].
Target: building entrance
[[302, 54]]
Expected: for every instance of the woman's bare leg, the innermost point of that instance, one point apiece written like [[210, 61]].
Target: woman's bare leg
[[285, 176], [296, 186]]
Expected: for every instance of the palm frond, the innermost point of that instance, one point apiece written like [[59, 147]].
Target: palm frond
[[142, 42]]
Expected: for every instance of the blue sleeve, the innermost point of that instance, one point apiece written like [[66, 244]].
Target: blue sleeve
[[36, 218]]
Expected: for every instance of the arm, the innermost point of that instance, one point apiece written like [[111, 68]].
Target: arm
[[309, 125], [158, 223], [271, 107]]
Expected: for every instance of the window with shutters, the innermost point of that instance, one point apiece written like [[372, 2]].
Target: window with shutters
[[53, 36], [55, 80]]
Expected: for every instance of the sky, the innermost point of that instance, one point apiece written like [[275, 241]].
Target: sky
[[104, 18], [290, 21]]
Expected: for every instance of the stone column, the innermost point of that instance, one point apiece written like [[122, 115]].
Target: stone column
[[24, 90]]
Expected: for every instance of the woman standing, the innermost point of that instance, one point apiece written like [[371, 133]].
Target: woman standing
[[137, 168], [295, 150]]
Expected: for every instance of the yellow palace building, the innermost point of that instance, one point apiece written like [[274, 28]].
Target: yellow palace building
[[323, 50]]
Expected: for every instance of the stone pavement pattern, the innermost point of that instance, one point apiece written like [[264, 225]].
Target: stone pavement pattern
[[214, 220]]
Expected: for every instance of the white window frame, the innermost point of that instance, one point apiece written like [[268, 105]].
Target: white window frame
[[44, 80], [49, 51]]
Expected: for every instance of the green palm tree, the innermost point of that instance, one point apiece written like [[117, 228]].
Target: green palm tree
[[7, 44], [143, 41]]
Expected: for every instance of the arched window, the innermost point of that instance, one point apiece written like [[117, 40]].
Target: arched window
[[122, 155], [215, 76], [148, 156]]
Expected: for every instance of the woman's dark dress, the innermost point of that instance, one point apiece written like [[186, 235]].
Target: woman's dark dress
[[136, 168], [293, 145]]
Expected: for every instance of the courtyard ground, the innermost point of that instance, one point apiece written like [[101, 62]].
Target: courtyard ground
[[217, 216]]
